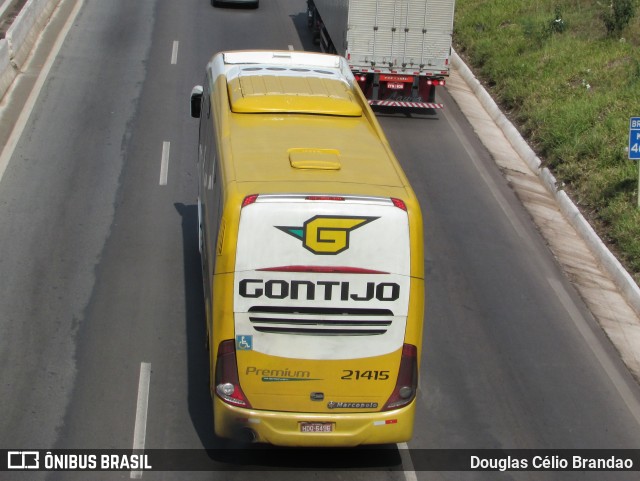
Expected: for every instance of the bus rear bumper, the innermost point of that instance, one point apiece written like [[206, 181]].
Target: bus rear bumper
[[285, 428]]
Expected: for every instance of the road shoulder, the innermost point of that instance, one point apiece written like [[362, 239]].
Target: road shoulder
[[609, 302]]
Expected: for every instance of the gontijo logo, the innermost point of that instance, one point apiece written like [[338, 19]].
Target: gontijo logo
[[326, 234]]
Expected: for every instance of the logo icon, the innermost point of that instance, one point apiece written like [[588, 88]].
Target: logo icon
[[244, 343], [317, 396], [326, 235], [23, 460]]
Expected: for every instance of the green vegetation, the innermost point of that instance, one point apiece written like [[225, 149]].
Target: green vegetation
[[567, 73]]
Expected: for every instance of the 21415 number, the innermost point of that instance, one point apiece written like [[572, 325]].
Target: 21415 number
[[350, 375]]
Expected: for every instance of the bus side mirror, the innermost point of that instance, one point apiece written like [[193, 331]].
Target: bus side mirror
[[196, 101]]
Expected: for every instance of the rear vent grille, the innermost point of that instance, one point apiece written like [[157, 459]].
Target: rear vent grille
[[311, 321]]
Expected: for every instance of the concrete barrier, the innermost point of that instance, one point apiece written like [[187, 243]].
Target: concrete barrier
[[7, 72], [21, 38]]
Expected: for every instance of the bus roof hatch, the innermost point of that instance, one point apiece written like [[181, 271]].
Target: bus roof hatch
[[262, 92], [314, 159]]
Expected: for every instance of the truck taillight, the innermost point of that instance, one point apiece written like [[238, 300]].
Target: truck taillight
[[227, 382], [407, 384]]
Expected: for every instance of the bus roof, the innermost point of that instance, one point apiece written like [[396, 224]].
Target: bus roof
[[297, 118]]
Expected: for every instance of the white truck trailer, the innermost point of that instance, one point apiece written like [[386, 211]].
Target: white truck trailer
[[398, 50]]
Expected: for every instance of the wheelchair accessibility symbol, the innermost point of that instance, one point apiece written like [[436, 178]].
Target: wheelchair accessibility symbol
[[244, 343]]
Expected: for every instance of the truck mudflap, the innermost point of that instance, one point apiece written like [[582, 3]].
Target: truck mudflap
[[405, 104]]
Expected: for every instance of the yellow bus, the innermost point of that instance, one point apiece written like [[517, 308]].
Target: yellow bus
[[312, 255]]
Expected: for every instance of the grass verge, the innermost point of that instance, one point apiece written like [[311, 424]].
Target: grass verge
[[570, 84]]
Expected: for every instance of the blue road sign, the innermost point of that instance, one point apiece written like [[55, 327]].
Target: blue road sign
[[634, 138]]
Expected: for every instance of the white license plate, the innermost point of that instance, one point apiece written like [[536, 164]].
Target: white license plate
[[395, 85], [316, 427]]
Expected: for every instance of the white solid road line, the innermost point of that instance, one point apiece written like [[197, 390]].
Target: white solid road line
[[140, 430], [174, 53], [407, 464], [18, 128], [164, 163]]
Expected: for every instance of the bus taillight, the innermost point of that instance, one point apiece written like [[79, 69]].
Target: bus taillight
[[227, 382], [407, 383], [250, 199], [399, 203]]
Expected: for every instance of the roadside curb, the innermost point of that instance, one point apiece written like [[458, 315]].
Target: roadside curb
[[621, 278], [21, 38], [7, 72]]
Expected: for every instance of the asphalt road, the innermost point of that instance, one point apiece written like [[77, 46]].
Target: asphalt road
[[101, 278]]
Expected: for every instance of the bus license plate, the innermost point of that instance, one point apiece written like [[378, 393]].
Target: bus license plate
[[395, 85], [316, 427]]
